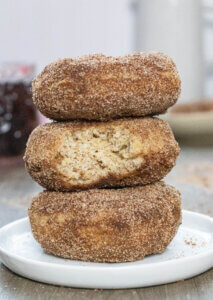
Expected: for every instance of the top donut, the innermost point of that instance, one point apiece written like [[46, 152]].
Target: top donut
[[99, 87]]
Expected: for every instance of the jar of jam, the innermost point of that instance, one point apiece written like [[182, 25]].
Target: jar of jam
[[18, 115]]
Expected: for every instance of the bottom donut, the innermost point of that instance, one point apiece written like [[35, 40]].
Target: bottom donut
[[106, 225]]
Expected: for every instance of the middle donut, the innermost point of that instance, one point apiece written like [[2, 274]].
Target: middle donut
[[69, 156]]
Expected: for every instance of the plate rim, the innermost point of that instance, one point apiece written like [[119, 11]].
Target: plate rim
[[192, 115], [102, 266]]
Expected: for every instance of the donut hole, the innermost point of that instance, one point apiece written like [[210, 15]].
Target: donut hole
[[96, 153]]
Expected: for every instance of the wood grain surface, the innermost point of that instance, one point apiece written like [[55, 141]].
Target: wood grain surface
[[193, 176]]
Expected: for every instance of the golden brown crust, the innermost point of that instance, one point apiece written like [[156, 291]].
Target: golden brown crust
[[158, 153], [111, 225], [98, 87]]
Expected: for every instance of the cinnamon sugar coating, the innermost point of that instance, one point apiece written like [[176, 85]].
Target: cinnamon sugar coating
[[70, 156], [108, 225], [99, 87]]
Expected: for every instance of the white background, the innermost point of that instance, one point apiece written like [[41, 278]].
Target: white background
[[41, 31]]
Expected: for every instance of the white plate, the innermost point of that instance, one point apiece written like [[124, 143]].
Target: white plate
[[189, 254], [187, 124]]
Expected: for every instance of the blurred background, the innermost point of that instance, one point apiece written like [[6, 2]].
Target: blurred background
[[34, 33]]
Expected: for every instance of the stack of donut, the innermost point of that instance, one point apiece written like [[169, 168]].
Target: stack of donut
[[102, 162]]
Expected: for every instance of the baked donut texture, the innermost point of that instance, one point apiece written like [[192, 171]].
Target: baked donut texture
[[99, 87], [111, 225], [69, 156]]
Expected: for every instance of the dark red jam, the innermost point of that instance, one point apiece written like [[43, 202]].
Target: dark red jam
[[18, 116]]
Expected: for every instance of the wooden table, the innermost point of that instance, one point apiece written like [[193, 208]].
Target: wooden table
[[193, 175]]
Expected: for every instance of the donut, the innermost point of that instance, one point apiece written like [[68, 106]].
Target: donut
[[106, 225], [99, 87], [71, 156]]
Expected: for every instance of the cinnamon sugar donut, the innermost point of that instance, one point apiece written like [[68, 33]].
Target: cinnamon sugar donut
[[111, 225], [68, 156], [99, 87]]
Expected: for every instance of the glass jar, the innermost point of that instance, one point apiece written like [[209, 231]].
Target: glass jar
[[18, 115]]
